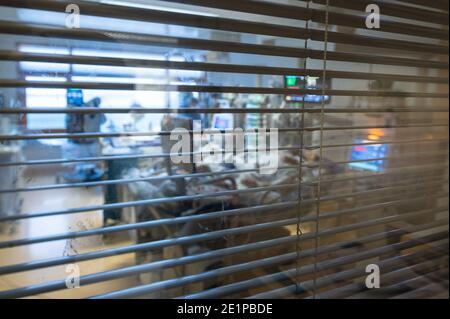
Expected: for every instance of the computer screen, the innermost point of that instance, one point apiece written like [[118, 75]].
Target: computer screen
[[310, 82], [364, 153], [75, 97]]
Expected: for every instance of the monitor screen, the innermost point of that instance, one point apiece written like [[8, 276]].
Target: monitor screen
[[75, 97], [368, 152], [310, 82], [222, 121]]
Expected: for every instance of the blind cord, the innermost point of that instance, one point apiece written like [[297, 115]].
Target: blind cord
[[322, 120], [299, 289]]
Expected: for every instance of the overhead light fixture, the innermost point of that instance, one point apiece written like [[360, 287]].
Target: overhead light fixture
[[160, 8], [45, 78], [373, 137]]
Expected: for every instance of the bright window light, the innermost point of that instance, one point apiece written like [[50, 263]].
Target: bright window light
[[31, 48], [116, 80], [153, 7], [45, 79], [122, 71], [37, 97], [43, 66], [118, 54]]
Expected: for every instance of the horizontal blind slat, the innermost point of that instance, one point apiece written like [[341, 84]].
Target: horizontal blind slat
[[438, 4], [276, 278], [392, 9], [190, 239], [391, 263], [140, 290], [87, 110], [211, 89], [168, 155], [417, 171], [134, 270], [188, 132], [213, 45], [224, 24], [158, 201], [297, 12], [213, 215], [209, 67], [352, 290]]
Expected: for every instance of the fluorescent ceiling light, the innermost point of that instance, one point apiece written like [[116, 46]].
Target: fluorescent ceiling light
[[45, 79], [160, 8], [105, 79], [31, 48]]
